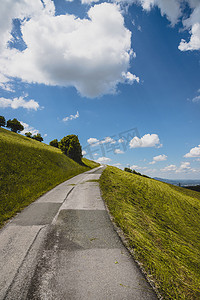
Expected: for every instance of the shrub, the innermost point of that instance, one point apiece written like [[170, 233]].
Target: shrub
[[28, 134], [38, 137]]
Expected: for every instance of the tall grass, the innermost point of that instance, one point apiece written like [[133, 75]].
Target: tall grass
[[28, 169], [162, 224]]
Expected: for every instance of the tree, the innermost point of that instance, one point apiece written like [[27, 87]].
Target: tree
[[54, 143], [15, 125], [37, 137], [28, 134], [2, 121], [71, 147]]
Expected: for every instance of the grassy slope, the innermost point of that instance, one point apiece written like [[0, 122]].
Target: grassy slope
[[162, 223], [28, 169]]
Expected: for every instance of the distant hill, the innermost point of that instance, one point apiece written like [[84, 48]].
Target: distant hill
[[28, 169], [182, 182]]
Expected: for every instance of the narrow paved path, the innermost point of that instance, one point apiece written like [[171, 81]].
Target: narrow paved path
[[63, 246]]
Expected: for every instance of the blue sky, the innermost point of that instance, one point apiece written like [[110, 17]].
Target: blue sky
[[99, 69]]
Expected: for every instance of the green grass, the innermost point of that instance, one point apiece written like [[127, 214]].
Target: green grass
[[28, 169], [162, 225]]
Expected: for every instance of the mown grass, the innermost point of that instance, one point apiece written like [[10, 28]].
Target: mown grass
[[28, 169], [162, 225]]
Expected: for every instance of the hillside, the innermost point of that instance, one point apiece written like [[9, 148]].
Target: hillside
[[28, 169], [161, 223]]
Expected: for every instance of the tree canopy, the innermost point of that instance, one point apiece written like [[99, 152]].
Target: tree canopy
[[71, 147], [54, 143], [15, 125], [2, 121]]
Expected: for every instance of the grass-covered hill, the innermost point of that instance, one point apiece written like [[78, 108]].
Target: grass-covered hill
[[162, 226], [28, 169]]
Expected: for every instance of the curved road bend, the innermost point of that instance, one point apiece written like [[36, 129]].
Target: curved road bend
[[64, 246]]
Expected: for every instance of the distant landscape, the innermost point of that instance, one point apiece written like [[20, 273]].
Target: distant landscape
[[181, 182]]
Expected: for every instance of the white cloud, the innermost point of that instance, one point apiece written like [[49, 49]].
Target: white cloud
[[121, 140], [28, 128], [93, 141], [148, 140], [103, 160], [71, 117], [130, 78], [84, 152], [91, 54], [118, 151], [5, 83], [161, 157], [174, 10], [194, 43], [19, 102], [117, 165], [135, 167], [169, 8], [88, 1], [169, 168], [194, 152], [108, 139], [196, 99], [183, 168]]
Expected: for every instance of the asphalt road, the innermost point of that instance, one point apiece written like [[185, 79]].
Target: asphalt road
[[64, 246]]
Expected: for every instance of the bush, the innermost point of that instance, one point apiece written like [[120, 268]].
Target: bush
[[54, 143], [28, 134], [2, 121], [38, 137], [71, 147]]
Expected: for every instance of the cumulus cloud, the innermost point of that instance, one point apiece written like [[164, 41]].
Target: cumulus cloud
[[169, 168], [106, 140], [71, 117], [91, 54], [183, 168], [148, 140], [194, 152], [174, 10], [93, 141], [130, 78], [84, 152], [28, 128], [118, 151], [194, 43], [161, 157], [19, 102], [103, 160]]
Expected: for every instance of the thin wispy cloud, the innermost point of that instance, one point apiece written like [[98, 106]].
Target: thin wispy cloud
[[71, 117]]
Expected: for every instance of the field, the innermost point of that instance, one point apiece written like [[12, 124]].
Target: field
[[162, 225], [28, 169]]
